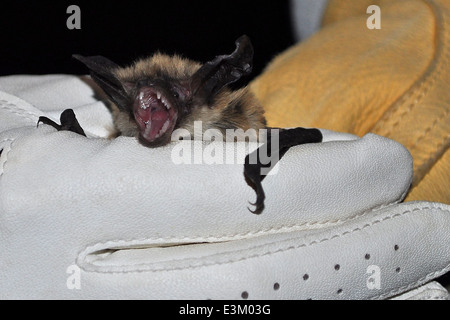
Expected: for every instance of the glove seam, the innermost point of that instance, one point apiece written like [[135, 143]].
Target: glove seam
[[6, 105], [261, 232], [420, 88], [433, 297], [440, 147], [4, 154], [433, 155], [147, 267], [237, 236], [413, 285]]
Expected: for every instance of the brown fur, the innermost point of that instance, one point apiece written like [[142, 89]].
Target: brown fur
[[174, 67], [230, 110]]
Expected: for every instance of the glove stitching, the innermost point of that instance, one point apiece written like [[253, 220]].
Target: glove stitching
[[5, 153], [422, 170], [434, 69], [237, 236], [142, 267], [6, 105], [434, 297], [431, 127], [432, 155], [282, 228], [410, 286]]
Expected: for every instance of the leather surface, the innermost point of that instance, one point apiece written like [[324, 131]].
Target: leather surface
[[392, 82]]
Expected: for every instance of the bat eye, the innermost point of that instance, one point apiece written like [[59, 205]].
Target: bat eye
[[179, 92], [141, 83]]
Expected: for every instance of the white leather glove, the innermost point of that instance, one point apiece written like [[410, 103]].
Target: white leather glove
[[97, 218]]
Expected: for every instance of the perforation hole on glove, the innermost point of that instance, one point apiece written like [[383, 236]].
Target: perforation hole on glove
[[245, 294]]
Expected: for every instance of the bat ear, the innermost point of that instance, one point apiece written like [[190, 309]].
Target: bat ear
[[102, 72], [223, 70]]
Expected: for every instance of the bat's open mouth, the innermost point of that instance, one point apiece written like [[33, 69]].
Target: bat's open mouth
[[155, 116]]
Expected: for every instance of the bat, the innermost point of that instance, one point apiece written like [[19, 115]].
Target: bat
[[155, 96]]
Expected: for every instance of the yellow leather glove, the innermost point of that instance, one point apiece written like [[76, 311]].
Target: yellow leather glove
[[393, 81]]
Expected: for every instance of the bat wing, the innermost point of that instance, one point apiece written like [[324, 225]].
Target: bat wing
[[254, 170], [102, 72], [68, 122], [223, 70]]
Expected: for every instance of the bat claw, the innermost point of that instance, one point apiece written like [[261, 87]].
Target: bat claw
[[259, 204], [68, 121], [287, 138], [257, 210]]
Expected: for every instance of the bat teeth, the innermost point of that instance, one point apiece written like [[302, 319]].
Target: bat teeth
[[164, 101], [165, 126], [141, 101], [163, 129], [145, 101]]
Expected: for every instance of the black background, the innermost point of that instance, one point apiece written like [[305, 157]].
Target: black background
[[36, 40]]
